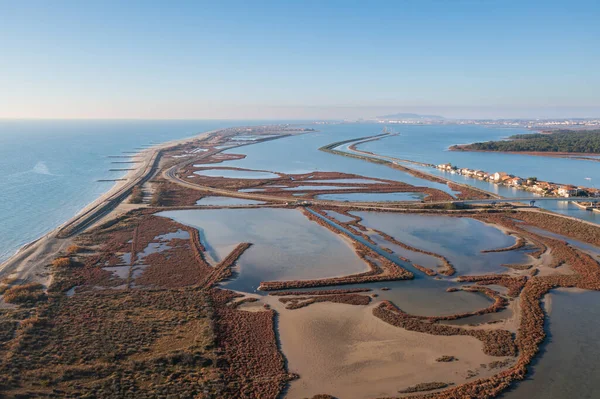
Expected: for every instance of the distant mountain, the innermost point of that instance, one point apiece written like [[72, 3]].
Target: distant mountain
[[411, 116]]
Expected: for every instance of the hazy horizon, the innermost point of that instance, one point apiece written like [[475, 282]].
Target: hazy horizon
[[309, 60]]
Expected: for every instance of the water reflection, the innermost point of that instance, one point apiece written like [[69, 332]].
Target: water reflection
[[286, 245], [568, 366], [460, 240]]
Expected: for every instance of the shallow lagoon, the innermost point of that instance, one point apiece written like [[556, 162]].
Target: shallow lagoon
[[236, 174], [286, 245], [371, 197], [430, 144], [313, 188], [350, 181], [226, 201], [300, 154], [461, 240], [568, 364]]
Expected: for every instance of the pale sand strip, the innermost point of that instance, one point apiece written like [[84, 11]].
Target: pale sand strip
[[345, 351], [28, 263]]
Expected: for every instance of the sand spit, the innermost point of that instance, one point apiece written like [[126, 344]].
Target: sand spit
[[338, 341]]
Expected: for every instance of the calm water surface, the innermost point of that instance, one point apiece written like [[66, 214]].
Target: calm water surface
[[430, 144], [568, 366], [300, 154], [461, 240], [236, 174], [286, 245], [50, 168], [375, 197], [226, 201]]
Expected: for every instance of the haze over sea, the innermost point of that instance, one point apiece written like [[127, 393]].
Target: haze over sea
[[50, 168]]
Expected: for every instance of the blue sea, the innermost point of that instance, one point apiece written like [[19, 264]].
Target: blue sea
[[50, 168]]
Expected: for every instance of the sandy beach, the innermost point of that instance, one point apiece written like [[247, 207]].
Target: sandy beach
[[27, 264], [344, 351]]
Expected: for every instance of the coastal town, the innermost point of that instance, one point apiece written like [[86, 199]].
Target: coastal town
[[531, 184]]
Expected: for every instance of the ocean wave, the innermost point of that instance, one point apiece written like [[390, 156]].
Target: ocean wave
[[42, 169]]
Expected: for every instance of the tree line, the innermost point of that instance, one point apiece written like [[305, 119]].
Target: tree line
[[587, 141]]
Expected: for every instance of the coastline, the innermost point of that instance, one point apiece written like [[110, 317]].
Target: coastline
[[38, 249], [360, 359], [558, 154]]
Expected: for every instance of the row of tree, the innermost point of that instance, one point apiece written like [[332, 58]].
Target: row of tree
[[587, 141]]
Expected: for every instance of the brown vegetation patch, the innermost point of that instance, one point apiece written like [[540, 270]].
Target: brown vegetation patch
[[303, 301], [252, 363], [320, 292], [514, 284], [495, 342], [222, 271], [520, 243], [114, 344], [466, 193], [499, 304], [380, 268], [446, 359], [531, 331], [448, 268], [516, 266], [26, 294], [586, 232], [176, 195], [425, 270], [63, 262], [426, 386]]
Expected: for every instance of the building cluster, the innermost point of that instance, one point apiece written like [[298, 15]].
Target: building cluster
[[539, 124], [530, 184], [536, 123]]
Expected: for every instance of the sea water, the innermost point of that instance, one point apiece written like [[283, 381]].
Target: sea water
[[50, 168]]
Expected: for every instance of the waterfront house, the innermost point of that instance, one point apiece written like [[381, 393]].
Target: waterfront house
[[498, 176], [567, 191], [515, 181], [540, 187]]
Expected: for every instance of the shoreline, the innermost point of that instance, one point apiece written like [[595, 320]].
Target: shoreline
[[146, 154], [550, 154], [366, 359]]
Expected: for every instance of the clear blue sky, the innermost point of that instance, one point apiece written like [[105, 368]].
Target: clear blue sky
[[293, 59]]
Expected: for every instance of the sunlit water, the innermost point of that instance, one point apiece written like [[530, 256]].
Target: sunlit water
[[226, 201], [568, 366], [236, 174], [372, 197], [50, 168], [286, 244], [460, 240], [427, 144]]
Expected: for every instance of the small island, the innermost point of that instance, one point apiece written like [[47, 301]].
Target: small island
[[559, 142]]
